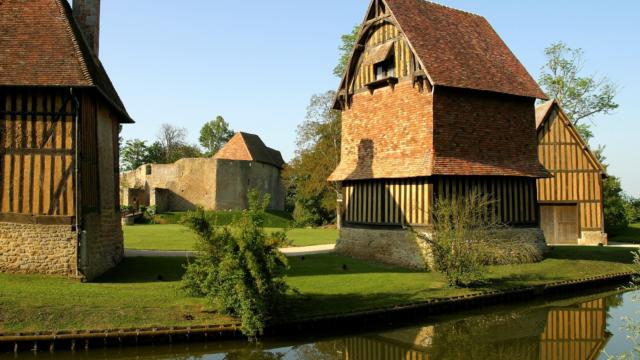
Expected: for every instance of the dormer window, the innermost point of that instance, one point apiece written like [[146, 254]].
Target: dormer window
[[385, 69], [383, 62]]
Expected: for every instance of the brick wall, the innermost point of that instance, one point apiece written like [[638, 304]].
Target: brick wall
[[387, 134], [483, 133], [44, 249]]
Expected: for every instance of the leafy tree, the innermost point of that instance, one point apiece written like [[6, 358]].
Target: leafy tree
[[214, 134], [581, 96], [240, 271], [615, 214], [135, 153], [156, 154], [632, 206], [317, 155], [348, 42]]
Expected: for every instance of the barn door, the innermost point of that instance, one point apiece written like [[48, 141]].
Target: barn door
[[559, 223]]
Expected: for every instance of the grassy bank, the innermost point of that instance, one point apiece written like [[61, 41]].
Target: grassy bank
[[631, 235], [144, 292], [178, 237]]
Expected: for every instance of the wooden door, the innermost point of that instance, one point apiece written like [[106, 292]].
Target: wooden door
[[559, 223]]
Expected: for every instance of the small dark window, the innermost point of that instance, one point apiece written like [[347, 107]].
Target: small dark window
[[385, 69], [148, 169]]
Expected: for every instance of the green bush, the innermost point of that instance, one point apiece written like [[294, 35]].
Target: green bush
[[239, 271], [461, 237], [615, 213], [272, 218]]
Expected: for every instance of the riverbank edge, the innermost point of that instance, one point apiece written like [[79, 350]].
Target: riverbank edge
[[86, 339]]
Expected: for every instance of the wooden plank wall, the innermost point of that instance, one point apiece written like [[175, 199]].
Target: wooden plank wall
[[37, 158], [575, 176], [514, 197], [408, 201], [575, 333], [405, 63], [387, 202], [365, 348], [89, 187]]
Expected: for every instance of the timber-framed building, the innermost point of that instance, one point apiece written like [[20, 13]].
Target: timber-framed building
[[60, 117], [571, 200], [434, 104]]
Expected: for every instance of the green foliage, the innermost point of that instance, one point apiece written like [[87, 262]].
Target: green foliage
[[615, 214], [348, 42], [241, 271], [581, 96], [462, 230], [318, 154], [632, 207], [133, 154], [214, 134]]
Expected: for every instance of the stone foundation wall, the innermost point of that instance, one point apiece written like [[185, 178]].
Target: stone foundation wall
[[42, 249], [388, 246], [593, 238], [402, 248], [105, 244]]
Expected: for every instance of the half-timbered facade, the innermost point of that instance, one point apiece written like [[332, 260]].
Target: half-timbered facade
[[571, 203], [60, 117], [433, 105]]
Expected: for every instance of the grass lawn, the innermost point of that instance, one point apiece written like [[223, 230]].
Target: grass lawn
[[631, 235], [178, 237], [132, 296], [273, 218]]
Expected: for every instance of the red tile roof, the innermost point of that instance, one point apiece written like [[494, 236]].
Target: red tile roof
[[41, 45], [462, 50], [249, 147]]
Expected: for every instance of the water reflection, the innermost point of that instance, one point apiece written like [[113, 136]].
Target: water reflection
[[571, 329]]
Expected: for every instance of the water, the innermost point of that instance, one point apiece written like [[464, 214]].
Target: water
[[579, 328]]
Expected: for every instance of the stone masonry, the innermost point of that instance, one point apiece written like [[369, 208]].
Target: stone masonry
[[45, 249], [400, 247]]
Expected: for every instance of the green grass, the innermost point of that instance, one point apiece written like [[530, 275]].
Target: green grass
[[178, 237], [631, 235], [132, 296], [273, 218], [326, 288]]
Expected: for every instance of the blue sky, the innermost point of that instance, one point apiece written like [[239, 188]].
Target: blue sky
[[257, 62]]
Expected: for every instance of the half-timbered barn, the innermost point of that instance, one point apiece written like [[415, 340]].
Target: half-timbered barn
[[60, 117], [434, 104], [571, 203]]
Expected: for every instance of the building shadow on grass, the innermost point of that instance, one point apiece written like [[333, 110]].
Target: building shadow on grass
[[332, 264], [145, 270], [594, 253]]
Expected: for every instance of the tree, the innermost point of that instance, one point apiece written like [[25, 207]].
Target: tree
[[581, 96], [348, 42], [171, 139], [214, 134], [317, 155], [135, 153], [615, 206]]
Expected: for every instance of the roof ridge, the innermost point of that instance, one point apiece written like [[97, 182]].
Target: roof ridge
[[76, 46], [452, 8]]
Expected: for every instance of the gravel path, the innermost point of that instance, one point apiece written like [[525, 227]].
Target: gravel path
[[291, 251]]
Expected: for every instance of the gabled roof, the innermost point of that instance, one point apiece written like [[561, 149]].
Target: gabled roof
[[461, 50], [249, 147], [543, 112], [41, 45]]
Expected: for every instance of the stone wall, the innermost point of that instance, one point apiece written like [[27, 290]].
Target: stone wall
[[214, 184], [593, 238], [35, 248], [400, 247]]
